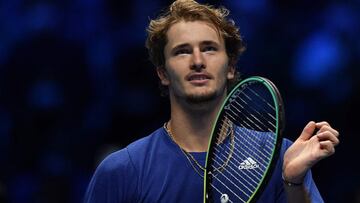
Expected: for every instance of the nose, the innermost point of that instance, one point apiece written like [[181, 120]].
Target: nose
[[198, 61]]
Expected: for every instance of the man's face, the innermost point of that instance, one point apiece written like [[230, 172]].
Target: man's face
[[196, 63]]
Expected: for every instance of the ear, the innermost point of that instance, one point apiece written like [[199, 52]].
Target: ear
[[231, 73], [162, 74]]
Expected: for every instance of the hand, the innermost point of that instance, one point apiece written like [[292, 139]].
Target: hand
[[308, 149]]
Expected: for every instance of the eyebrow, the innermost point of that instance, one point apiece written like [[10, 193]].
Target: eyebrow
[[210, 42], [181, 46], [206, 42]]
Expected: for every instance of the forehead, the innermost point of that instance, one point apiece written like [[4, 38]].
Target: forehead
[[190, 32]]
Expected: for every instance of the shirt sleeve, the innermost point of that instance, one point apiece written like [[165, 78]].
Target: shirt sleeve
[[114, 180], [312, 189]]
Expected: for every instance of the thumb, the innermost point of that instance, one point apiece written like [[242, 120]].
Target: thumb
[[308, 131]]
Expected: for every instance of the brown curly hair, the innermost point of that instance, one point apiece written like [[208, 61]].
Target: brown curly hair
[[189, 10]]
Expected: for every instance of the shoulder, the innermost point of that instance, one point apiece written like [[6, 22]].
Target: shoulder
[[116, 177], [125, 157], [145, 141], [109, 178], [131, 157], [147, 144], [115, 160]]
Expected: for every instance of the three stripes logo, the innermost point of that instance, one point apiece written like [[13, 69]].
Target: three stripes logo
[[248, 163]]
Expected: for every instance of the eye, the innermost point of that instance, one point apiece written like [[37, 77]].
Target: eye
[[181, 51], [209, 48]]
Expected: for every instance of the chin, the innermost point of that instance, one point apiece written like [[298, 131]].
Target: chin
[[201, 98]]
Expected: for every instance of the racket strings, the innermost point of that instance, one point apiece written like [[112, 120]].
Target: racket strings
[[251, 142], [255, 109], [234, 176], [236, 172], [248, 142], [221, 193], [273, 119], [249, 126], [256, 143], [255, 137], [236, 158], [254, 104], [262, 98], [250, 118], [226, 158], [221, 137], [226, 185], [219, 172]]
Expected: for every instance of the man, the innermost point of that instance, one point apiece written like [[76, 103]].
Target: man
[[195, 49]]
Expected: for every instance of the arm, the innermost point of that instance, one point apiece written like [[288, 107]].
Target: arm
[[297, 193], [306, 151]]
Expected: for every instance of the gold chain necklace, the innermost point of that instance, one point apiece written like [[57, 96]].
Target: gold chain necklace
[[187, 154], [191, 157]]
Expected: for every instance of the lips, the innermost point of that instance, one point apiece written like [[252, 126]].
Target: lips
[[198, 77]]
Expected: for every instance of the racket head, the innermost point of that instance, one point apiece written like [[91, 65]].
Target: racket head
[[245, 142]]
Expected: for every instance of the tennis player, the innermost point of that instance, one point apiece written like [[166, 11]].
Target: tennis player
[[195, 48]]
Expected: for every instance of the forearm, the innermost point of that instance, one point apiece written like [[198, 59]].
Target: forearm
[[296, 193]]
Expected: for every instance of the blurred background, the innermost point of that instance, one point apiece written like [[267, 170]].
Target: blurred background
[[76, 84]]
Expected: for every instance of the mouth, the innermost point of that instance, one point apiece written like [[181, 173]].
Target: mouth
[[198, 78]]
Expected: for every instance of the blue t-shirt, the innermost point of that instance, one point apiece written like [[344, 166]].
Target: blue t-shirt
[[154, 169]]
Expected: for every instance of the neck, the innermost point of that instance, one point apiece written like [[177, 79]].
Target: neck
[[190, 126]]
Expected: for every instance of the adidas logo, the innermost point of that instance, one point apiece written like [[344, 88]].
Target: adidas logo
[[248, 163]]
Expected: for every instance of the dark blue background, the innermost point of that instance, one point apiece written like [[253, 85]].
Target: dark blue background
[[76, 84]]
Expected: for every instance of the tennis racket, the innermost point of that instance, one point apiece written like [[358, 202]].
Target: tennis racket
[[245, 142]]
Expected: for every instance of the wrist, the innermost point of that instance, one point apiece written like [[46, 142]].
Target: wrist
[[291, 183]]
